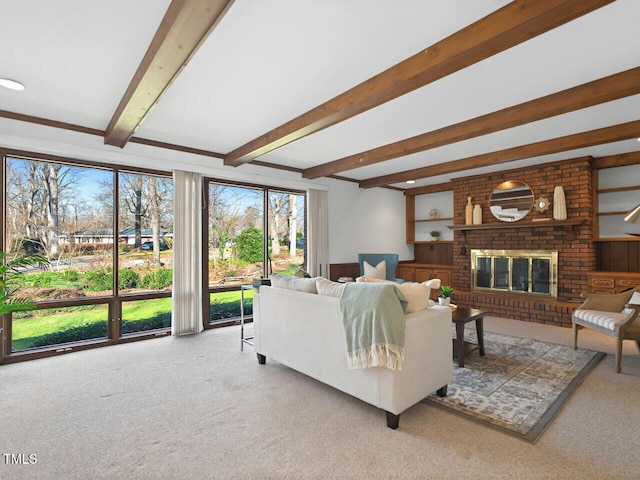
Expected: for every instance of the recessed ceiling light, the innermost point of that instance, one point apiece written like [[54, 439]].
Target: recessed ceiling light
[[11, 84], [411, 181]]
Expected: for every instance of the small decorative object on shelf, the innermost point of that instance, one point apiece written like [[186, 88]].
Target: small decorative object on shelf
[[542, 204], [444, 297], [559, 204], [477, 214], [468, 212], [434, 214], [435, 234]]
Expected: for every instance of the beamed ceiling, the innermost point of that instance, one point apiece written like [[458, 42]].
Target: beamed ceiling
[[377, 92]]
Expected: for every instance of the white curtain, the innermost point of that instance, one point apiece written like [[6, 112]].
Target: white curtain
[[187, 253], [318, 233]]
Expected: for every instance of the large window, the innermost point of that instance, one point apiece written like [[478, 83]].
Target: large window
[[106, 238], [252, 231], [236, 217], [62, 212], [145, 250], [287, 242]]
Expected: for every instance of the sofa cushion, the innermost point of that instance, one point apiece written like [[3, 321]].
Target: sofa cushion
[[379, 271], [417, 293], [307, 285], [327, 287]]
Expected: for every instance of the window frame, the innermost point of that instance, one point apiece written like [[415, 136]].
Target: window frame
[[207, 289], [114, 301]]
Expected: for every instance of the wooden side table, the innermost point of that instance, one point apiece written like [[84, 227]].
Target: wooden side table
[[460, 316]]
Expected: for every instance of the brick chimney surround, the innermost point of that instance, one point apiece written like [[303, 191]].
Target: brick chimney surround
[[574, 243]]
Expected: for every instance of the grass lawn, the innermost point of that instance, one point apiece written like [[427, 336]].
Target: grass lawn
[[34, 325], [29, 327]]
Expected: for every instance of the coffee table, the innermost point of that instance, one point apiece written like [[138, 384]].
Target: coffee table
[[460, 316]]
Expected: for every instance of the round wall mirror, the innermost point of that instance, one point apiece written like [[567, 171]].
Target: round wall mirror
[[511, 201]]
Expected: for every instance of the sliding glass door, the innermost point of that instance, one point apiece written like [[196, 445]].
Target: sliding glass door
[[252, 232]]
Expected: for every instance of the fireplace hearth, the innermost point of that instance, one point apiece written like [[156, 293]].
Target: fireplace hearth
[[523, 272]]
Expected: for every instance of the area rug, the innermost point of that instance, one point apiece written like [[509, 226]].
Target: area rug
[[518, 386]]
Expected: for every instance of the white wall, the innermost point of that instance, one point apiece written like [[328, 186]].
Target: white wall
[[366, 221], [371, 220]]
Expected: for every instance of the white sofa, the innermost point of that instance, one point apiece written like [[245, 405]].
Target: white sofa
[[304, 331]]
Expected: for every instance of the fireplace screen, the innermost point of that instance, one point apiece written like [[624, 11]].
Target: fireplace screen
[[518, 271]]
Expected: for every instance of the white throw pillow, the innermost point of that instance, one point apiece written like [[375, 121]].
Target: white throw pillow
[[432, 284], [369, 279], [417, 294], [307, 285], [635, 299], [329, 288], [379, 271]]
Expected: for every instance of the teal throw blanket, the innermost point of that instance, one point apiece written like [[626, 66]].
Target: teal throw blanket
[[374, 323]]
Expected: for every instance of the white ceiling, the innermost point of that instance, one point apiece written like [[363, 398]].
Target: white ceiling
[[269, 61]]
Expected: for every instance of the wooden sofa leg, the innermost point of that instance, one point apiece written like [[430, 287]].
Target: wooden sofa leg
[[392, 420], [442, 392], [261, 359], [575, 336]]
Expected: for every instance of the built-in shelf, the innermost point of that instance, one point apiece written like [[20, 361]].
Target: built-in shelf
[[431, 220], [619, 189], [634, 237], [569, 224], [429, 242]]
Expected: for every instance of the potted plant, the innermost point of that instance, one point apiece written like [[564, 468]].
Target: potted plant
[[435, 234], [445, 292], [8, 271]]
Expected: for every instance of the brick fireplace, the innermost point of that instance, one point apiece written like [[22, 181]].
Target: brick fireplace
[[574, 244]]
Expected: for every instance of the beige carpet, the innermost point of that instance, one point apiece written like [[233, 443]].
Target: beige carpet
[[198, 408]]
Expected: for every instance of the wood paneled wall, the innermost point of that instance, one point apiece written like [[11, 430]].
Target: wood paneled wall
[[619, 256], [436, 253]]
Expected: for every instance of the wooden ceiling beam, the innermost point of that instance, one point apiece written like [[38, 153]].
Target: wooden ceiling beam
[[510, 25], [589, 94], [615, 133], [50, 123], [184, 28], [621, 160], [436, 187]]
